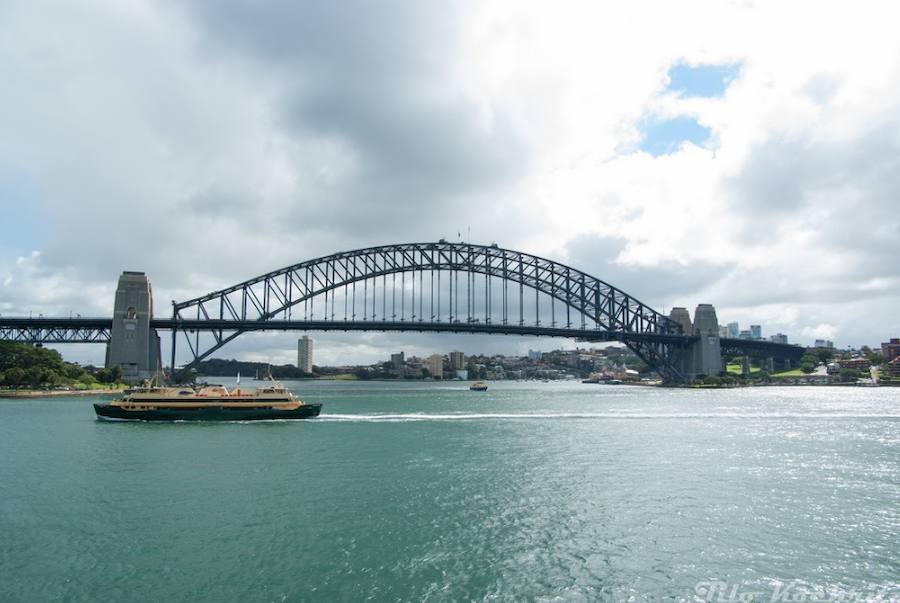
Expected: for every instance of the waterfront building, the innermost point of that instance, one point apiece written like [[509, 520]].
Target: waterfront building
[[755, 332], [457, 361], [305, 354], [891, 349], [734, 330], [779, 338], [894, 367], [824, 343], [398, 359], [857, 363], [534, 354], [435, 366]]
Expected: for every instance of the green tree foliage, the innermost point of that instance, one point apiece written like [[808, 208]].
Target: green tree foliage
[[14, 377], [823, 354], [35, 366], [186, 376], [849, 375], [812, 358]]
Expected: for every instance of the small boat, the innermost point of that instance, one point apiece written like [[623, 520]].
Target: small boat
[[207, 403], [478, 386]]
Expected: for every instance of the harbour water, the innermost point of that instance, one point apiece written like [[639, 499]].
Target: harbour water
[[427, 491]]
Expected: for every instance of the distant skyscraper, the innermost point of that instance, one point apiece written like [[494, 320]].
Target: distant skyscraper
[[305, 354], [723, 331], [435, 365], [398, 359], [755, 331], [823, 343], [457, 361], [779, 338], [734, 330], [534, 354]]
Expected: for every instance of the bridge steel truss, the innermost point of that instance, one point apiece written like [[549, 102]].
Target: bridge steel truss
[[54, 330], [416, 287]]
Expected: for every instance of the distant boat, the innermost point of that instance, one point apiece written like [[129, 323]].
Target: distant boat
[[478, 386]]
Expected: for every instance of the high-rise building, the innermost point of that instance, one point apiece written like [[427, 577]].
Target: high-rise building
[[534, 354], [755, 332], [305, 354], [779, 338], [435, 365], [398, 359], [457, 361], [723, 331], [890, 349], [734, 330], [823, 343]]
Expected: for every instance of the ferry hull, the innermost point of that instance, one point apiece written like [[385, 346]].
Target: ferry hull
[[209, 413]]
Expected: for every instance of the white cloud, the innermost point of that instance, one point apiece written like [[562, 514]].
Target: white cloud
[[210, 144]]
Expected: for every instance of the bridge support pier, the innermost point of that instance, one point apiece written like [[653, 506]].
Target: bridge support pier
[[704, 356], [133, 345]]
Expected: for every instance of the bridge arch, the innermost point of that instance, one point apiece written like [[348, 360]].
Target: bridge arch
[[270, 300]]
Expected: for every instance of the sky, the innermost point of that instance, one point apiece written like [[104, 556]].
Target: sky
[[744, 153]]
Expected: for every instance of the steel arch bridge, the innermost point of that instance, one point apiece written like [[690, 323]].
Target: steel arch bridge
[[438, 287]]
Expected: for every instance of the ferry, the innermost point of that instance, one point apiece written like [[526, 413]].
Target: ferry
[[207, 403], [478, 386]]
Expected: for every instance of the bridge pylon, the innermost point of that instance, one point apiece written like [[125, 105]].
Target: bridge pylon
[[133, 345], [705, 357]]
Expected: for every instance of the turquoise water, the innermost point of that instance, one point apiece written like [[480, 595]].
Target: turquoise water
[[426, 491]]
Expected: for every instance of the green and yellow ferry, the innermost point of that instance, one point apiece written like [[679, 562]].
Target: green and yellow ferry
[[207, 403]]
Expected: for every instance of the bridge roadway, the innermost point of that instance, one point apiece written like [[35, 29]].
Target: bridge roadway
[[96, 330]]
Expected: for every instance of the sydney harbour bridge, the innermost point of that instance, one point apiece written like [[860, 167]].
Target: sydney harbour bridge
[[416, 287]]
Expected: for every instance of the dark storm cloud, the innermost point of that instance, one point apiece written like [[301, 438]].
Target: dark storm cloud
[[665, 284], [378, 82]]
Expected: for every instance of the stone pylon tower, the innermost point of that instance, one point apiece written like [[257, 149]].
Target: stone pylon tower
[[682, 357], [133, 345], [707, 351]]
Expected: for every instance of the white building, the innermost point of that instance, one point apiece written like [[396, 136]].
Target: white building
[[305, 354]]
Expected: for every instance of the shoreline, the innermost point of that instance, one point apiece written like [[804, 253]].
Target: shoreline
[[57, 393]]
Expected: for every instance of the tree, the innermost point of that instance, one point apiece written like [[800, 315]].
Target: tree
[[15, 377], [34, 376], [849, 375], [186, 376], [824, 354]]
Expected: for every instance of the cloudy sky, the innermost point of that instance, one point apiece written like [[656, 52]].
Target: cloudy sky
[[744, 153]]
